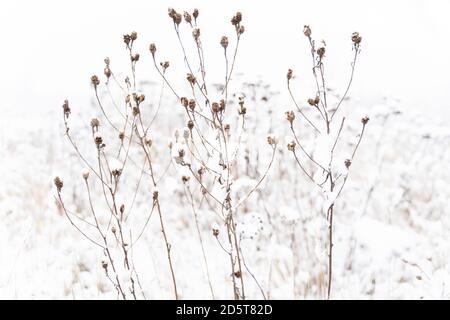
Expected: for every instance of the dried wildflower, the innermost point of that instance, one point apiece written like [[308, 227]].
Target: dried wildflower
[[133, 35], [155, 194], [307, 31], [121, 135], [227, 127], [224, 42], [241, 30], [105, 265], [164, 65], [195, 13], [314, 102], [58, 183], [135, 58], [289, 74], [242, 109], [348, 163], [107, 72], [113, 229], [291, 146], [98, 139], [85, 174], [356, 38], [272, 139], [116, 172], [290, 116], [94, 81], [222, 105], [192, 104], [95, 123], [215, 107], [127, 39], [66, 108], [365, 120], [152, 49], [176, 17], [237, 274], [215, 230], [190, 77], [321, 52], [122, 208], [186, 133], [136, 111], [187, 17], [190, 125], [196, 33], [107, 61], [184, 102], [185, 179]]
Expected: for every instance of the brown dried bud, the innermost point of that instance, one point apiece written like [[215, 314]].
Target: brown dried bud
[[152, 49], [184, 102], [181, 153], [215, 107], [141, 98], [133, 35], [224, 42], [195, 14], [155, 195], [348, 163], [291, 146], [215, 231], [95, 123], [122, 208], [113, 229], [107, 72], [136, 111], [94, 81], [307, 31], [321, 52], [237, 274], [148, 141], [190, 77], [105, 265], [98, 139], [187, 17], [116, 173], [192, 104], [314, 102], [127, 39], [107, 61], [241, 30], [196, 33], [356, 38], [290, 116], [365, 120], [164, 65], [227, 127], [66, 108], [58, 183], [190, 124], [185, 179], [238, 16], [222, 105], [135, 57], [289, 74], [121, 135], [271, 139]]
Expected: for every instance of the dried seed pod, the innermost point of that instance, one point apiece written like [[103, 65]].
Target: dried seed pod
[[348, 163], [195, 14], [224, 42], [289, 74], [291, 146], [127, 39], [356, 38], [152, 49], [290, 116], [307, 31], [95, 123], [192, 104], [85, 174], [241, 30], [184, 102], [133, 35], [365, 120], [94, 81], [135, 58], [58, 183], [187, 17], [190, 125], [66, 108], [196, 33], [121, 135], [321, 52], [190, 77], [98, 139], [215, 107]]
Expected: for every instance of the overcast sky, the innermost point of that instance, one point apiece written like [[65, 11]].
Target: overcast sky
[[50, 48]]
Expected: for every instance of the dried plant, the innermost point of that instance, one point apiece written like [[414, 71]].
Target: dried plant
[[325, 172]]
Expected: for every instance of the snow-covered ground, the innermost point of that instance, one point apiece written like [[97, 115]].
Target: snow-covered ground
[[391, 222]]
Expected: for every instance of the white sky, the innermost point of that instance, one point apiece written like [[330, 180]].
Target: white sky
[[51, 48]]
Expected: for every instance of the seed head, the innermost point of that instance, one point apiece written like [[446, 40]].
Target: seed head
[[195, 14], [133, 35], [164, 65], [187, 17], [152, 49], [321, 52], [192, 104], [148, 141], [196, 33], [185, 179], [356, 38], [95, 123], [224, 42], [190, 77], [291, 146], [241, 30], [184, 102], [272, 139], [127, 39], [121, 135], [105, 265], [365, 120], [135, 58], [289, 74], [98, 140], [190, 125], [290, 116], [307, 31], [94, 81], [66, 108], [215, 107], [107, 72], [314, 102], [348, 163], [85, 174], [58, 183], [215, 230]]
